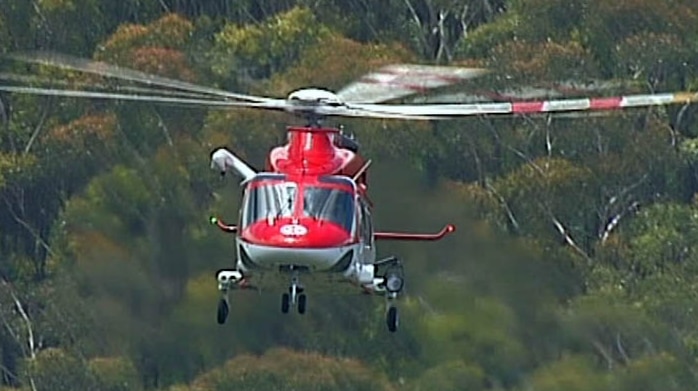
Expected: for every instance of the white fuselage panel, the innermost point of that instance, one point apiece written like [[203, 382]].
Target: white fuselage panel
[[271, 266]]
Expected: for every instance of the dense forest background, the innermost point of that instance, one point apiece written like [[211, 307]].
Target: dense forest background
[[574, 266]]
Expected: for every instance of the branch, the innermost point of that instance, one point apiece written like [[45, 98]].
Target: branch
[[505, 205], [164, 6], [163, 126], [12, 332], [528, 160], [6, 125], [37, 130], [613, 223], [443, 45], [548, 122], [478, 161], [567, 237], [464, 25], [28, 227], [9, 373], [675, 130], [619, 346], [30, 333], [548, 142], [25, 317], [418, 22], [604, 353]]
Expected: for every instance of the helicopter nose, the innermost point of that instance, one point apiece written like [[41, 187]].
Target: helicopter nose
[[305, 233]]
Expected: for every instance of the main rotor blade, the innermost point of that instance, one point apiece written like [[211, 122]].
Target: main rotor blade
[[344, 111], [107, 70], [553, 90], [35, 80], [445, 111], [397, 81], [277, 104]]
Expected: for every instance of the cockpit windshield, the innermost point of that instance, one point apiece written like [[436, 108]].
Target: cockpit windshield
[[269, 200], [272, 197], [329, 204]]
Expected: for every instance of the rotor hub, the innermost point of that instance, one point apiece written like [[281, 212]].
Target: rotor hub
[[314, 97]]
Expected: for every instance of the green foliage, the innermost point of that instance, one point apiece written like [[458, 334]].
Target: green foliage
[[555, 280], [539, 193], [544, 20], [468, 334], [114, 374], [660, 371], [451, 376], [573, 373], [334, 61], [282, 369], [480, 41], [55, 369], [4, 35], [530, 62], [154, 48], [261, 50], [14, 168]]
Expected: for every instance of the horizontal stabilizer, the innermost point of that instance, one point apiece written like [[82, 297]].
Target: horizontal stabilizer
[[415, 236], [222, 225]]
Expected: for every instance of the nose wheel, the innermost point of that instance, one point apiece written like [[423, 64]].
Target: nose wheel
[[392, 318], [223, 310], [393, 283], [294, 298], [227, 279]]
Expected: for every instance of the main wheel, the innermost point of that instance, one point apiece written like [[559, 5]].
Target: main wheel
[[285, 302], [392, 319], [301, 303], [223, 310]]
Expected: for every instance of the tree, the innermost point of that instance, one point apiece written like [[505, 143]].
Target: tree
[[451, 375], [55, 369], [574, 373], [283, 369], [258, 51], [114, 374]]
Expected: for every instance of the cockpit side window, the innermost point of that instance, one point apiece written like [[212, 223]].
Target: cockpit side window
[[268, 200], [330, 204]]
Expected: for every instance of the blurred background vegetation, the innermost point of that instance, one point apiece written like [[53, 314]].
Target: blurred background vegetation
[[573, 267]]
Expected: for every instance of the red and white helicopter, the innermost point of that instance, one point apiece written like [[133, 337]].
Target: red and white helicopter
[[305, 222]]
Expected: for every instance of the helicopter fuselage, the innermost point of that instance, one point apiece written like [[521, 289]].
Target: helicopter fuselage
[[308, 217], [292, 223]]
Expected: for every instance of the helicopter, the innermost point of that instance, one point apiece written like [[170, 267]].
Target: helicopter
[[305, 221]]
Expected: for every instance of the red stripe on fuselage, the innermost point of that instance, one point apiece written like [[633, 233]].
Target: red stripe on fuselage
[[296, 233]]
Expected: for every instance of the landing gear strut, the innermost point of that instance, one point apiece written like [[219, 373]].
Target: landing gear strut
[[393, 283], [294, 297], [226, 280]]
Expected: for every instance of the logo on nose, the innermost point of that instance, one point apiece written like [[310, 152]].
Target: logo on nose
[[293, 230]]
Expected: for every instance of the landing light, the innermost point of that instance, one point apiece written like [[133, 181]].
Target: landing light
[[393, 283]]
